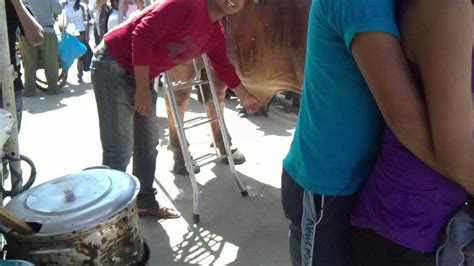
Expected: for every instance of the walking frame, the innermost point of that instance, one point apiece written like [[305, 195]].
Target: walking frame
[[181, 126]]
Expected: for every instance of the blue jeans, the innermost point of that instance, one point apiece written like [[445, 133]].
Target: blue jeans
[[124, 132]]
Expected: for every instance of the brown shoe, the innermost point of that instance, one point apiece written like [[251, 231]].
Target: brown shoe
[[159, 212], [148, 206]]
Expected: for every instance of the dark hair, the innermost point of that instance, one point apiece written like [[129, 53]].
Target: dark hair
[[114, 4], [77, 4]]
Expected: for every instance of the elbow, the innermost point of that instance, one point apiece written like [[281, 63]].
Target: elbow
[[400, 122]]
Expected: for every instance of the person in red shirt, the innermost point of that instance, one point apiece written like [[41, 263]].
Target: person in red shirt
[[161, 37]]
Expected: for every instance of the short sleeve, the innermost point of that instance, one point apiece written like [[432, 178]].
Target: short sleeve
[[367, 16]]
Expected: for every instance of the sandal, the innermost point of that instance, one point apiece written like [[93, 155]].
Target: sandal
[[148, 206], [159, 212], [168, 213]]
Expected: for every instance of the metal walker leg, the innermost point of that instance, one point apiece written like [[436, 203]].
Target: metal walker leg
[[170, 87]]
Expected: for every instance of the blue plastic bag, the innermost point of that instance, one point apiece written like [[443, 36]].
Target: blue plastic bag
[[69, 49]]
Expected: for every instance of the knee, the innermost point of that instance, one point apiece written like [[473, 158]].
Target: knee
[[182, 98]]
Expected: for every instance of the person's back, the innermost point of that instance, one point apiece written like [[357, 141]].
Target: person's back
[[353, 124], [338, 128], [182, 31], [45, 12]]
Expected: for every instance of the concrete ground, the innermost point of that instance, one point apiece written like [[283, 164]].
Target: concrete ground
[[60, 134]]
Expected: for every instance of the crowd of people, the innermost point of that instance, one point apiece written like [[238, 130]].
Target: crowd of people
[[383, 153], [77, 17]]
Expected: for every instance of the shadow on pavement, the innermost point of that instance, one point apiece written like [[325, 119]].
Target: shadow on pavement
[[233, 230], [39, 104]]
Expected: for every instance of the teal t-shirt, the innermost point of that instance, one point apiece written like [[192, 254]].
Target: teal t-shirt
[[339, 124]]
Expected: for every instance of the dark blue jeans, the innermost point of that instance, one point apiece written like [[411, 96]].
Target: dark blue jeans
[[332, 235], [124, 132]]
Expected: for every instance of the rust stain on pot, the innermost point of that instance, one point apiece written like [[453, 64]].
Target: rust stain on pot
[[90, 250], [117, 241]]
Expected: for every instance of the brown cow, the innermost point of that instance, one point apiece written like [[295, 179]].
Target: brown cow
[[266, 42]]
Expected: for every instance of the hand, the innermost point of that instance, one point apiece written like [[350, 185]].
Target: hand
[[143, 101], [251, 103]]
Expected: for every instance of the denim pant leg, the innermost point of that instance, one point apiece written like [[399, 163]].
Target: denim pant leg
[[114, 90], [30, 63], [144, 149], [49, 49]]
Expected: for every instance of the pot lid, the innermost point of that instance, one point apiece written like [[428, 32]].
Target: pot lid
[[75, 201]]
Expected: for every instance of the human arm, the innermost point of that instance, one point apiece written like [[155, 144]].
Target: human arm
[[249, 101], [382, 62], [143, 99], [31, 28], [443, 51]]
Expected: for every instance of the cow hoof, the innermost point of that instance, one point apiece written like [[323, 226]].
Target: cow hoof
[[238, 157], [179, 167]]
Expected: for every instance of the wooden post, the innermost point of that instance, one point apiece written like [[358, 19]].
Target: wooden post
[[7, 76]]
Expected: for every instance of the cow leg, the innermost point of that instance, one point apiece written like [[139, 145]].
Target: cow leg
[[182, 72], [182, 100], [215, 129]]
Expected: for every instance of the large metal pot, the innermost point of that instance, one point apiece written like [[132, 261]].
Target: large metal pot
[[86, 218]]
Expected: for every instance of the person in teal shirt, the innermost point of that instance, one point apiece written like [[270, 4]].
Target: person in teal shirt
[[355, 75]]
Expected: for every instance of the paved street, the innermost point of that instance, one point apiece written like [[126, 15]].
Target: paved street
[[60, 134]]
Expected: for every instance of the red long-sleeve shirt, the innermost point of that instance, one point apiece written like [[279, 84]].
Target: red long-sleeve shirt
[[168, 34]]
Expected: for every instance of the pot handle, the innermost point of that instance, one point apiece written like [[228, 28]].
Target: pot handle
[[50, 251], [97, 167]]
